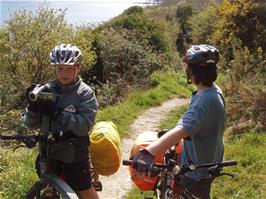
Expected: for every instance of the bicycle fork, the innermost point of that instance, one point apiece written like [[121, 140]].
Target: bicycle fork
[[34, 191], [164, 187]]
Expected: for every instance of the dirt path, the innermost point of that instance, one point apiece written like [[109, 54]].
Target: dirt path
[[117, 185]]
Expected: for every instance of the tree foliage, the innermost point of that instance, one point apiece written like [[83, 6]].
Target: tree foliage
[[128, 49], [203, 25], [183, 14], [241, 21], [246, 90], [26, 43]]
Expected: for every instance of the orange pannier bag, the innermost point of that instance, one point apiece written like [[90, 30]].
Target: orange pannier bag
[[145, 183]]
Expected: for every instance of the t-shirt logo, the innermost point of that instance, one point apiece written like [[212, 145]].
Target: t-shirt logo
[[70, 109]]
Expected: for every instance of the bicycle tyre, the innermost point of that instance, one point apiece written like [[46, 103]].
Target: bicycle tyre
[[62, 189]]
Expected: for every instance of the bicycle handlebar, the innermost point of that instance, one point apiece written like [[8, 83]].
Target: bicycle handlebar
[[127, 162], [156, 168], [29, 140], [219, 164], [17, 137]]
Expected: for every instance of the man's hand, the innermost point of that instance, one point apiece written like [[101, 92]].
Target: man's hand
[[142, 161], [48, 108]]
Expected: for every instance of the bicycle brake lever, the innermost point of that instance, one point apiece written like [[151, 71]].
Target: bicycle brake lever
[[30, 143], [20, 146], [228, 174]]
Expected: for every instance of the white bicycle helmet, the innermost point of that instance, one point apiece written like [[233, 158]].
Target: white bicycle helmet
[[202, 55], [65, 54]]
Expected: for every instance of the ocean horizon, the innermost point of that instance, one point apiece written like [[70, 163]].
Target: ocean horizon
[[92, 12]]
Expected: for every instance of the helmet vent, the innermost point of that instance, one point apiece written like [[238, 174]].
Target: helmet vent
[[202, 55], [65, 54]]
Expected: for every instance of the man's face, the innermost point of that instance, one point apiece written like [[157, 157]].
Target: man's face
[[66, 74]]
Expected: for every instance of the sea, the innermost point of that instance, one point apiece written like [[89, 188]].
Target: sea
[[89, 12]]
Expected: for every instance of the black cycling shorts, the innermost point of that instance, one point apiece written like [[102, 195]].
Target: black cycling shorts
[[77, 175], [200, 189]]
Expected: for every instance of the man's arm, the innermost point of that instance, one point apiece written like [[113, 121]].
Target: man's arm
[[31, 119], [80, 122], [143, 159], [169, 139]]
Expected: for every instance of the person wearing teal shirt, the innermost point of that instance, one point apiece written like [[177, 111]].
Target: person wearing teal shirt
[[201, 126]]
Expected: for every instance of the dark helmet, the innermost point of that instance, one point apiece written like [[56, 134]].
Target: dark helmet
[[202, 55], [65, 54]]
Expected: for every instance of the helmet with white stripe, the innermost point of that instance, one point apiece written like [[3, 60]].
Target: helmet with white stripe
[[202, 55], [65, 54]]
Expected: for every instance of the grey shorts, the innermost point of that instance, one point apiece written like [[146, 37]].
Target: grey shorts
[[200, 189]]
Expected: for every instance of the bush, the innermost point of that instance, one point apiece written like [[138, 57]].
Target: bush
[[243, 22], [133, 10], [128, 50], [202, 25], [26, 42], [245, 91]]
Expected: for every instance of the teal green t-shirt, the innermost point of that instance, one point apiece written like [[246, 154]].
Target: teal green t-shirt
[[204, 121]]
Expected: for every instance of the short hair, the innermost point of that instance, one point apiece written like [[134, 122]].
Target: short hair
[[205, 74]]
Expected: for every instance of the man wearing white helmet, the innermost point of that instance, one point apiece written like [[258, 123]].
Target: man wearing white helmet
[[201, 126], [69, 117]]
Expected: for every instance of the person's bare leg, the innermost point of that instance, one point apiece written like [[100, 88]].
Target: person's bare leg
[[89, 194]]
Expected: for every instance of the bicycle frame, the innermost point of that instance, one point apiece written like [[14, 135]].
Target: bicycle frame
[[166, 187], [169, 174], [48, 177]]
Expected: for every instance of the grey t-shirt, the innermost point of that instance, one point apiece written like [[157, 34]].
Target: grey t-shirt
[[204, 122]]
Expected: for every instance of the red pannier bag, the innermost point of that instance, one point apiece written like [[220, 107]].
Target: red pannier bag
[[145, 183]]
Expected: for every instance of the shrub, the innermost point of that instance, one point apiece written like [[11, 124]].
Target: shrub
[[243, 22], [202, 25], [26, 42], [133, 10], [245, 90]]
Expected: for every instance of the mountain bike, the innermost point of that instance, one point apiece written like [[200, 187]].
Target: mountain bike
[[51, 184], [169, 174]]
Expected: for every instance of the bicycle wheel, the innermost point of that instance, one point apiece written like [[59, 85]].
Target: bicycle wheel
[[51, 187]]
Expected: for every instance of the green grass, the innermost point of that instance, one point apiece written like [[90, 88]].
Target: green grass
[[16, 172], [250, 173]]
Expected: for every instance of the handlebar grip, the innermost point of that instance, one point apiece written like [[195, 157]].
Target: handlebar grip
[[7, 137], [228, 163], [154, 170], [127, 162]]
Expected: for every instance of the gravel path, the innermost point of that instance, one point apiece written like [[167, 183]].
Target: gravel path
[[118, 185]]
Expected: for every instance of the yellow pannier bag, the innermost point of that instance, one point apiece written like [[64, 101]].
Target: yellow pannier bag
[[105, 148]]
